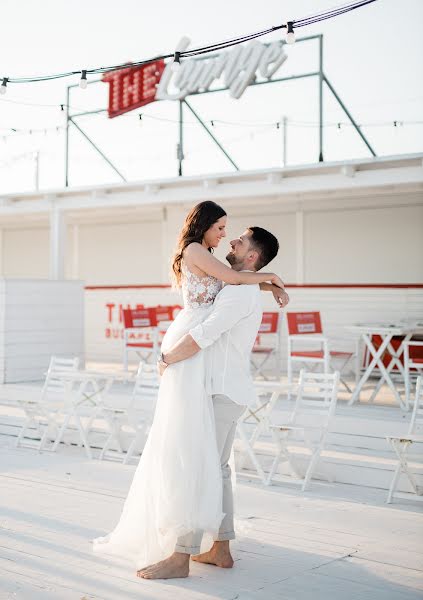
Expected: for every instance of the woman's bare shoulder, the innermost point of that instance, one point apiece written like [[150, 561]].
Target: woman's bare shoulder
[[193, 249]]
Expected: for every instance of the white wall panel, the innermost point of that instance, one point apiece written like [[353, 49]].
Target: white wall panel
[[375, 245], [120, 254], [26, 252], [38, 319]]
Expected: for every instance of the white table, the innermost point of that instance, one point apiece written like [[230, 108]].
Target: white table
[[78, 395], [386, 331]]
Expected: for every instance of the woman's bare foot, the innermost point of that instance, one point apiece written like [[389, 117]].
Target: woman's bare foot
[[175, 566], [219, 555]]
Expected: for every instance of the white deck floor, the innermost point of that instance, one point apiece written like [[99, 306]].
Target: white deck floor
[[334, 541]]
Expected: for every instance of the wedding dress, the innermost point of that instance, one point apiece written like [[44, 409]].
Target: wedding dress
[[177, 486]]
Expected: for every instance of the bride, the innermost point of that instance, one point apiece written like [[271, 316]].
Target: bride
[[177, 486]]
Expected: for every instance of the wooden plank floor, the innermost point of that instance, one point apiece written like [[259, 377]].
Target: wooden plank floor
[[332, 542]]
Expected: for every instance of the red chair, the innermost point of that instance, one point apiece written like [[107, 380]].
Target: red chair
[[308, 325], [267, 342], [413, 365], [165, 316], [140, 334]]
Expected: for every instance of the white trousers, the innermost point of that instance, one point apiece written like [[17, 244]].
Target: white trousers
[[226, 414]]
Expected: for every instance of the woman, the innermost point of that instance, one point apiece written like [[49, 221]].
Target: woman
[[177, 486]]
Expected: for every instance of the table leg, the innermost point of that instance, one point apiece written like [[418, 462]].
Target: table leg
[[82, 434], [395, 361], [376, 355], [385, 374]]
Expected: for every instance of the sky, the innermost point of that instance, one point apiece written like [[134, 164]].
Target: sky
[[372, 57]]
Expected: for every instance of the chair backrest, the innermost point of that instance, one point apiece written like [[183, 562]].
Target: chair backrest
[[139, 317], [164, 313], [416, 422], [316, 398], [269, 322], [413, 354], [52, 383], [306, 323]]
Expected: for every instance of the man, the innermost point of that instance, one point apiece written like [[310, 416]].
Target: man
[[232, 327]]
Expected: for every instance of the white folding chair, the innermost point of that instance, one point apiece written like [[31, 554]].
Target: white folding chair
[[257, 418], [413, 366], [311, 419], [43, 413], [401, 445], [306, 327], [134, 420]]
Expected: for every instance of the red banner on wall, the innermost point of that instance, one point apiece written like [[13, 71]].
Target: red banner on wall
[[133, 87]]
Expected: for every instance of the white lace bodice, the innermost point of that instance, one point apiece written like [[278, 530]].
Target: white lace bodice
[[198, 291]]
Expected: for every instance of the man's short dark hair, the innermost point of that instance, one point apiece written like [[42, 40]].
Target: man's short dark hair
[[265, 244]]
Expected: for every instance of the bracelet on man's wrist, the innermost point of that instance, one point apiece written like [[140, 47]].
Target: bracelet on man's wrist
[[162, 360]]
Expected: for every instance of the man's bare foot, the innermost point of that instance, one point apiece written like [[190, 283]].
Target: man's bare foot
[[219, 555], [175, 566]]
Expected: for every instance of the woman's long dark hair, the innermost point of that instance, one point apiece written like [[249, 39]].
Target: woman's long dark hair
[[198, 221]]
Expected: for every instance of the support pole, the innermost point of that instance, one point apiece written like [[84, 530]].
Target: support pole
[[344, 108], [180, 148], [320, 98], [284, 140], [109, 162], [75, 252], [36, 171], [57, 243], [67, 139], [211, 135], [299, 239]]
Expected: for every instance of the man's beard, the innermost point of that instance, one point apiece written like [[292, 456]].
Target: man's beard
[[233, 260]]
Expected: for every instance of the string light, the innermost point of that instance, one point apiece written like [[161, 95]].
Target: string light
[[3, 86], [255, 124], [83, 81], [309, 20], [290, 35], [176, 65], [182, 45], [20, 132]]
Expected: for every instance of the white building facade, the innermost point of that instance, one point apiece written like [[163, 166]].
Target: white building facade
[[351, 239]]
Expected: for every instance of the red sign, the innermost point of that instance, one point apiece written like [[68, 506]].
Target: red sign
[[133, 87]]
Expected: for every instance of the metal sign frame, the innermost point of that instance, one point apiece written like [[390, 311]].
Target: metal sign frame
[[320, 74]]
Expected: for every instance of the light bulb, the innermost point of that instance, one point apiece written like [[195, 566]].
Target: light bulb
[[176, 65], [290, 35], [176, 62], [3, 86], [83, 81]]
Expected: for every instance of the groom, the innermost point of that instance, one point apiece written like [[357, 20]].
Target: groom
[[232, 327]]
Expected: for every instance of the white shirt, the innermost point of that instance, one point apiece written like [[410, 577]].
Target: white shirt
[[232, 327]]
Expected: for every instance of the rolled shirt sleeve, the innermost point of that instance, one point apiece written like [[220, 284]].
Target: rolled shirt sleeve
[[232, 304]]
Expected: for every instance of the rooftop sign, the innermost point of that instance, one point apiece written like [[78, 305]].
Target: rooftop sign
[[236, 69], [133, 87]]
